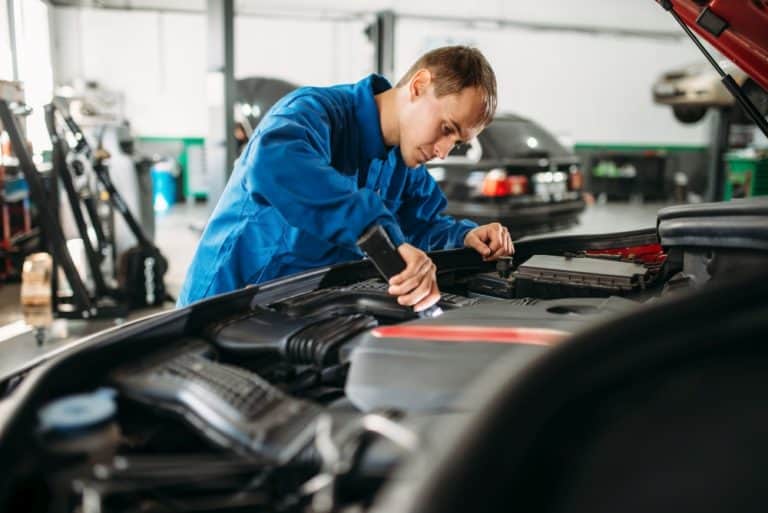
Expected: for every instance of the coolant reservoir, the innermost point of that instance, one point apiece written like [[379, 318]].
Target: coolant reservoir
[[82, 424]]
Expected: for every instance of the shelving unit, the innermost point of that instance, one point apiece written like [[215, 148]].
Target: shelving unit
[[622, 175], [16, 230]]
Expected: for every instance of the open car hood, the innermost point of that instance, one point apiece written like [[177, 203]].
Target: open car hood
[[737, 28]]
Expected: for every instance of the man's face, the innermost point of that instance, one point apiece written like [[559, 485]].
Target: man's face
[[430, 126]]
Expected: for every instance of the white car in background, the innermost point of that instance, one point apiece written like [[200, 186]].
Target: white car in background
[[695, 88]]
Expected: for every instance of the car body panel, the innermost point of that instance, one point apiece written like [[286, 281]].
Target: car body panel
[[421, 377], [526, 152], [744, 41]]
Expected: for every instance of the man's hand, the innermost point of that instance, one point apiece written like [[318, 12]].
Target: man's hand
[[490, 240], [416, 285]]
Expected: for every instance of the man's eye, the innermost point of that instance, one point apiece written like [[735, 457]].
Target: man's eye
[[446, 130]]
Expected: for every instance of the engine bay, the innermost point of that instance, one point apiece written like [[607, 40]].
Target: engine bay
[[307, 395]]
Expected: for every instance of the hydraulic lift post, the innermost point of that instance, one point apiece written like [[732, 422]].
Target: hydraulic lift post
[[48, 221], [63, 174]]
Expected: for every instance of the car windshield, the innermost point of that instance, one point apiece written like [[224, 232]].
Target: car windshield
[[516, 138]]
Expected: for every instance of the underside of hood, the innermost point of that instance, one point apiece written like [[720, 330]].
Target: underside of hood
[[737, 28]]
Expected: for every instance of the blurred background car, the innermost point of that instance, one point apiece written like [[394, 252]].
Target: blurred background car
[[693, 89], [514, 172], [254, 96]]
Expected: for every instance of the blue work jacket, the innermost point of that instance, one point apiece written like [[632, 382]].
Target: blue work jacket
[[314, 175]]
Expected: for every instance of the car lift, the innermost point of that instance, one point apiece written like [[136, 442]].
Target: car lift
[[710, 22], [81, 305], [106, 301], [144, 262]]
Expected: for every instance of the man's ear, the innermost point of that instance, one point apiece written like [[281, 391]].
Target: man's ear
[[419, 83]]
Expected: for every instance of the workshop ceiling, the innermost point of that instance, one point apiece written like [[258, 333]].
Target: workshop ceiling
[[241, 6]]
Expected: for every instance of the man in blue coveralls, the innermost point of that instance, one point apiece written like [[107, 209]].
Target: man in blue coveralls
[[327, 163]]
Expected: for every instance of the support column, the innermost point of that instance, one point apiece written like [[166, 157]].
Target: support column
[[718, 146], [220, 141], [383, 38], [11, 8]]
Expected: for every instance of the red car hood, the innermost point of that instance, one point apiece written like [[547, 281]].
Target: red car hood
[[745, 38]]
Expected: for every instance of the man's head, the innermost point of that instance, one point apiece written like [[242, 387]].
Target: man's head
[[448, 96]]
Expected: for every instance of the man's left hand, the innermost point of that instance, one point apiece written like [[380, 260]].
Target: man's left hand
[[490, 240]]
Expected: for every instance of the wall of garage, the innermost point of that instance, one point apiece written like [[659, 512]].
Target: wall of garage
[[158, 59], [302, 51], [6, 65], [586, 87], [628, 14], [33, 60]]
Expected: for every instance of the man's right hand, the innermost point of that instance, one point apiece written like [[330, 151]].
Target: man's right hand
[[416, 285]]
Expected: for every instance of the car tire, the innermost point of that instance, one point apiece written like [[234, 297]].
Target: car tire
[[688, 114]]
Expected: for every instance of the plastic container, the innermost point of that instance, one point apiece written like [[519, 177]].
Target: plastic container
[[163, 186]]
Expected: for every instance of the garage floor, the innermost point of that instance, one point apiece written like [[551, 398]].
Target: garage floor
[[177, 233]]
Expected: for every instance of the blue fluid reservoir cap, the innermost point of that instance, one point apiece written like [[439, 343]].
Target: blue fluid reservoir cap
[[78, 412]]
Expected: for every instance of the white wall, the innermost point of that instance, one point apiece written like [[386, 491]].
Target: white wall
[[307, 52], [624, 14], [159, 59], [34, 64], [6, 64], [590, 88]]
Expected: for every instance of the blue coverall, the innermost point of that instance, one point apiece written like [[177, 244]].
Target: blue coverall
[[314, 175]]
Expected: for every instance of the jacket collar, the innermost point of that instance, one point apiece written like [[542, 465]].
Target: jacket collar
[[367, 114]]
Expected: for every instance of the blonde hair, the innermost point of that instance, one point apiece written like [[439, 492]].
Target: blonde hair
[[455, 68]]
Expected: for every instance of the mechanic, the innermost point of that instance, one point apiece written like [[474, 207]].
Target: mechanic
[[326, 163]]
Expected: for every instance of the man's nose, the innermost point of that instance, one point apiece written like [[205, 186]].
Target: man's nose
[[442, 147]]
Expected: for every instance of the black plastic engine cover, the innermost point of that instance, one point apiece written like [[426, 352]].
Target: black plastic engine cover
[[413, 374]]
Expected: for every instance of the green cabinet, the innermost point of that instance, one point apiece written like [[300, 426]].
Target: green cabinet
[[745, 175]]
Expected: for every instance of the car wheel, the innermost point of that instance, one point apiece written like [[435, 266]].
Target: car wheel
[[688, 114]]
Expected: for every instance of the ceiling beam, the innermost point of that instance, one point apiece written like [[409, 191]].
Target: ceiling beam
[[357, 15]]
